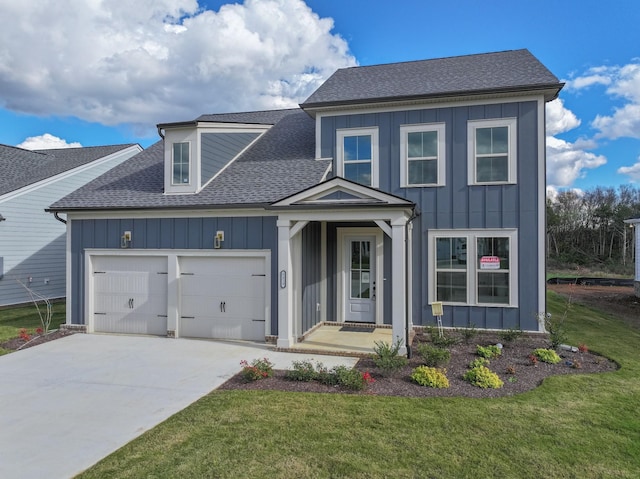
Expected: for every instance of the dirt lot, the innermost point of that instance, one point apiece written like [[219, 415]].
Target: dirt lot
[[618, 300]]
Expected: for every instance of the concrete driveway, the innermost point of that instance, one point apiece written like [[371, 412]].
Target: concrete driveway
[[66, 404]]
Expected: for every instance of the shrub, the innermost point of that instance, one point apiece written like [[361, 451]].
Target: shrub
[[301, 371], [483, 377], [258, 369], [430, 377], [547, 355], [443, 341], [433, 356], [510, 335], [468, 333], [325, 376], [351, 378], [556, 328], [478, 362], [583, 348], [387, 357], [488, 352]]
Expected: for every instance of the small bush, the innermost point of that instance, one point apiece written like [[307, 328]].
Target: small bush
[[583, 348], [325, 376], [258, 369], [387, 357], [510, 369], [468, 333], [430, 377], [443, 341], [556, 328], [510, 335], [301, 371], [478, 362], [547, 355], [433, 356], [351, 378], [488, 352], [483, 377]]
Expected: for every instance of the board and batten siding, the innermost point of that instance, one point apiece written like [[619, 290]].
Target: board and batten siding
[[218, 149], [32, 241], [169, 234], [456, 205]]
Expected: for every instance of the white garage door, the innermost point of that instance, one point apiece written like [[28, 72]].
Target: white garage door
[[222, 298], [130, 295]]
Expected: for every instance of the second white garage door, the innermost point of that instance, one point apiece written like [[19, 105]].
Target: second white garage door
[[222, 298]]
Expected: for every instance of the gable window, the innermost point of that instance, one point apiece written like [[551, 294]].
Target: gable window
[[492, 151], [473, 267], [357, 155], [180, 163], [422, 155]]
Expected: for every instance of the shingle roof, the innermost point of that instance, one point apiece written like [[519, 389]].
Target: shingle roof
[[20, 168], [513, 70], [279, 164]]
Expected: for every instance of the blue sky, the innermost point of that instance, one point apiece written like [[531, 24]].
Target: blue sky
[[104, 73]]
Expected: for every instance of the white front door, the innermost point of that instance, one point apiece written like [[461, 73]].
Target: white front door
[[360, 281]]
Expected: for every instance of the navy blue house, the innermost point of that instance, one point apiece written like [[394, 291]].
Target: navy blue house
[[390, 188]]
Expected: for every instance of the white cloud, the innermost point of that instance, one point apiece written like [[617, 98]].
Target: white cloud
[[152, 61], [45, 142], [587, 81], [567, 161], [633, 172], [559, 118]]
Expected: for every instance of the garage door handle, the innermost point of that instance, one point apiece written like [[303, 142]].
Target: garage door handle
[[258, 320], [130, 303], [187, 317], [223, 307], [258, 275]]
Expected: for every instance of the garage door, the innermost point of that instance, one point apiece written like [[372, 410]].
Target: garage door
[[130, 295], [222, 298]]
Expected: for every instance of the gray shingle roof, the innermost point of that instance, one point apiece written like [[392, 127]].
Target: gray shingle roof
[[513, 70], [279, 164], [20, 168]]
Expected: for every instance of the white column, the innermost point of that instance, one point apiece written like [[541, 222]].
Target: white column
[[398, 271], [285, 286]]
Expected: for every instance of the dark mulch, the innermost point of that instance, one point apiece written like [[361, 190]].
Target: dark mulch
[[18, 343], [515, 354]]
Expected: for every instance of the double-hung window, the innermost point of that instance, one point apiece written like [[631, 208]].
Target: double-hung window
[[492, 151], [357, 155], [180, 163], [473, 267], [422, 155]]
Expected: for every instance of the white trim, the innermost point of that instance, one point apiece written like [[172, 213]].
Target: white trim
[[66, 174], [542, 213], [189, 164], [343, 133], [512, 154], [439, 128], [342, 235], [471, 270], [168, 213], [384, 227], [323, 271], [296, 228], [420, 104], [173, 275]]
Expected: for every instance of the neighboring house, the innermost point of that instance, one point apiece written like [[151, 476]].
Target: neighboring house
[[634, 223], [33, 242], [391, 187]]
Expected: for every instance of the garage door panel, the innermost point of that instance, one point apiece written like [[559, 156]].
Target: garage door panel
[[235, 285], [223, 328], [133, 323], [251, 308]]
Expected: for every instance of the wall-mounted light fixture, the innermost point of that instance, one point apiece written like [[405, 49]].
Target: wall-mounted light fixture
[[218, 239], [125, 239], [2, 218]]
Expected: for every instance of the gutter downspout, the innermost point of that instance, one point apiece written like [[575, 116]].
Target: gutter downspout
[[61, 220]]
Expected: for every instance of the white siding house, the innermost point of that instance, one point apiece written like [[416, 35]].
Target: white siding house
[[32, 241]]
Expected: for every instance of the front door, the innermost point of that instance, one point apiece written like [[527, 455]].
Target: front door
[[360, 284]]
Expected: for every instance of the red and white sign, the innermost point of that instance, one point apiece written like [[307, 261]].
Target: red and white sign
[[489, 262]]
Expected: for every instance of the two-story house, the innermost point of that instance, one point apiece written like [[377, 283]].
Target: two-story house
[[391, 187]]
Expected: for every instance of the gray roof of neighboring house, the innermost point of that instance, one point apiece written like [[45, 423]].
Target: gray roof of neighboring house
[[20, 168], [280, 163], [508, 71]]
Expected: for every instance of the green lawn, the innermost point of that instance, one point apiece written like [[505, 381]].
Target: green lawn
[[14, 319], [575, 426]]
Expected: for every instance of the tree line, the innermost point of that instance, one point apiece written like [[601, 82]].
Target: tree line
[[588, 229]]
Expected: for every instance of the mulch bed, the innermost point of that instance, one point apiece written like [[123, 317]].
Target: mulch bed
[[515, 354], [18, 343]]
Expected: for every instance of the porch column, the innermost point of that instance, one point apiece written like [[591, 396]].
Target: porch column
[[285, 286], [398, 287]]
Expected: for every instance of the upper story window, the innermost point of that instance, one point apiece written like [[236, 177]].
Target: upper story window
[[422, 155], [357, 155], [180, 163], [492, 151]]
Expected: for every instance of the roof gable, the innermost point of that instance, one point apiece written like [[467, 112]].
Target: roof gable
[[515, 70]]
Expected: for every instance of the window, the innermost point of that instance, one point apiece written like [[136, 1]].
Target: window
[[473, 267], [181, 163], [422, 155], [357, 155], [492, 151]]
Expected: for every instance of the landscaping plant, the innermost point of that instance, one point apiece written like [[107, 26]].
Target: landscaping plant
[[488, 352], [432, 355], [510, 335], [547, 355], [258, 369], [430, 377], [483, 377], [387, 357], [302, 371]]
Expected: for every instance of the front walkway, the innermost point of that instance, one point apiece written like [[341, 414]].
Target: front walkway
[[68, 403]]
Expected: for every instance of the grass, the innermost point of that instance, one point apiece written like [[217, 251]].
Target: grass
[[14, 319], [583, 426]]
